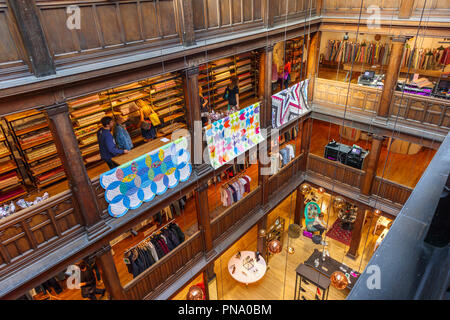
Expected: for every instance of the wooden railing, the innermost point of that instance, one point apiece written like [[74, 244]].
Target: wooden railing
[[350, 7], [282, 177], [178, 260], [391, 191], [231, 217], [37, 230], [288, 9], [218, 16], [426, 110], [335, 171], [338, 94], [106, 25]]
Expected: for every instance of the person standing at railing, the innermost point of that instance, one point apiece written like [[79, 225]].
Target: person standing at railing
[[107, 145], [232, 94]]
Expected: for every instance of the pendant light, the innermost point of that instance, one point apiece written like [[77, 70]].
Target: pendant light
[[195, 293], [275, 246], [339, 280]]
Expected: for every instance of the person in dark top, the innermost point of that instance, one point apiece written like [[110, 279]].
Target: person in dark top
[[106, 143], [204, 110], [232, 93], [88, 283]]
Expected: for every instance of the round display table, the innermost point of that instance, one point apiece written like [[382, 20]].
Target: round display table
[[246, 268]]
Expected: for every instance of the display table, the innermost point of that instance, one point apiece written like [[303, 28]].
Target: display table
[[139, 151], [307, 273], [329, 266], [247, 274]]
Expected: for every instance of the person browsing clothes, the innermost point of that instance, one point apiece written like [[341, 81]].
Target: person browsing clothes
[[89, 283], [204, 110], [106, 143], [232, 93]]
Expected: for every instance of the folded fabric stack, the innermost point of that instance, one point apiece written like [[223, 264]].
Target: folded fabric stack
[[172, 127], [9, 209], [35, 137], [29, 122], [3, 150], [244, 68], [167, 110], [172, 117], [39, 152], [345, 51], [8, 179], [51, 175], [243, 62], [86, 130], [7, 164], [222, 104], [243, 88], [222, 76], [134, 96], [90, 149], [425, 59], [90, 139], [91, 119], [45, 166], [165, 94], [82, 101], [128, 108], [127, 87], [164, 85], [168, 102], [243, 76], [235, 191], [222, 61], [221, 91], [84, 111], [223, 83]]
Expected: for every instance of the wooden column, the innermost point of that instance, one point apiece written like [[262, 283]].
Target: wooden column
[[110, 277], [372, 163], [263, 179], [69, 153], [305, 143], [261, 243], [194, 120], [312, 62], [33, 38], [262, 74], [269, 7], [356, 233], [186, 17], [209, 272], [299, 207], [406, 8], [204, 221], [267, 87], [390, 81], [205, 283]]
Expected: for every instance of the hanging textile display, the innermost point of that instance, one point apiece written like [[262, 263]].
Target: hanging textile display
[[290, 103], [231, 136], [131, 184]]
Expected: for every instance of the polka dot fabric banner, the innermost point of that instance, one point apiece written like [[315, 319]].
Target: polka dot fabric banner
[[138, 181], [231, 136]]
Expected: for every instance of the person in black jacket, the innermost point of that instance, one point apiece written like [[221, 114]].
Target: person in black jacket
[[106, 143], [89, 283]]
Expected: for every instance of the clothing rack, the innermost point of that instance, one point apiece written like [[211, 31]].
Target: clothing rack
[[232, 179], [150, 236]]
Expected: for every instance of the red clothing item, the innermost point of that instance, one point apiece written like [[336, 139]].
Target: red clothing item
[[287, 67]]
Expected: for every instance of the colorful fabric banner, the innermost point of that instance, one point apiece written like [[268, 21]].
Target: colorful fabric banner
[[131, 184], [231, 136], [289, 104]]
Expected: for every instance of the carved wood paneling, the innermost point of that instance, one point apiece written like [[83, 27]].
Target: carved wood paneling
[[339, 94], [106, 24], [426, 110], [34, 229], [214, 14], [291, 9], [9, 48], [284, 175], [335, 171], [351, 7], [390, 190], [166, 268]]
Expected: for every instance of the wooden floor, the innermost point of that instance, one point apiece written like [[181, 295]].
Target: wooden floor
[[279, 281], [401, 168], [335, 74]]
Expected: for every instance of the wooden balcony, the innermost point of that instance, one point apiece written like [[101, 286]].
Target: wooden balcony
[[339, 94], [391, 191], [38, 230], [428, 111], [176, 262]]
